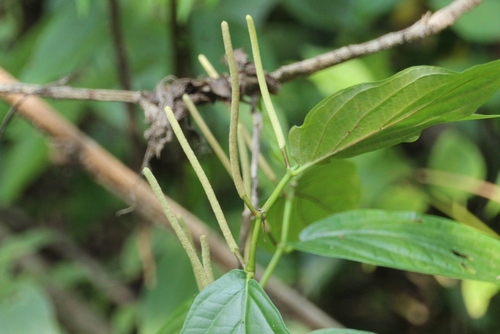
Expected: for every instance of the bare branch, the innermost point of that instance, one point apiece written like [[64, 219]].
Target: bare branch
[[429, 24], [68, 93]]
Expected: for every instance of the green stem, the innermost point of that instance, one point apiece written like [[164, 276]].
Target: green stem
[[277, 191], [205, 257], [219, 215], [264, 91], [198, 269], [284, 238], [233, 123], [250, 268], [207, 66], [212, 141]]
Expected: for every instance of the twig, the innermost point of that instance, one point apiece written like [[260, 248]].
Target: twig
[[428, 25], [69, 93]]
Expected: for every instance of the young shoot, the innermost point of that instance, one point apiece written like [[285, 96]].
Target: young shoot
[[207, 187], [264, 91], [199, 270], [233, 124]]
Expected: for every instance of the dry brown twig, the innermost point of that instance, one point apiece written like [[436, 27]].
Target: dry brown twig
[[429, 24], [119, 179]]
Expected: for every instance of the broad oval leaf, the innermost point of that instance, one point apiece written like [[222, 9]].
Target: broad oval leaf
[[233, 304], [322, 190], [405, 240], [371, 116]]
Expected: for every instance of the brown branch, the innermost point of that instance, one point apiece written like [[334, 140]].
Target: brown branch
[[428, 25], [120, 180], [68, 93]]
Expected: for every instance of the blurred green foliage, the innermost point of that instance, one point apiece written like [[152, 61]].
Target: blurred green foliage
[[44, 40]]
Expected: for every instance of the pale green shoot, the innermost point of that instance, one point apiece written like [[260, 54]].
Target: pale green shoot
[[264, 90], [219, 215], [198, 268]]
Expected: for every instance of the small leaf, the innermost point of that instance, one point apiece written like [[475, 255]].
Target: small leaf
[[233, 304], [371, 116], [407, 241], [321, 191], [455, 153]]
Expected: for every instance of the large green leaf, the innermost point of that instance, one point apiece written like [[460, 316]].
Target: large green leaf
[[233, 304], [405, 240], [321, 191], [371, 116]]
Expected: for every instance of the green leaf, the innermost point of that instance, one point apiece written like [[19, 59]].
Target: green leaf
[[407, 241], [18, 245], [233, 304], [321, 191], [339, 331], [27, 310], [184, 9], [371, 116], [455, 153]]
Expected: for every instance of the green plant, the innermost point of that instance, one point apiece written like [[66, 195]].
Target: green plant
[[303, 214]]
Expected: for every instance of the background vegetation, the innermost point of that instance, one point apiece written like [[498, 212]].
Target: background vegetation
[[64, 250]]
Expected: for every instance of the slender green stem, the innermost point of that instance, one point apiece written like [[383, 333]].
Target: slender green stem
[[245, 162], [277, 191], [250, 268], [233, 124], [264, 91], [185, 229], [219, 215], [235, 100], [198, 269], [207, 66], [285, 228], [205, 130], [205, 258]]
